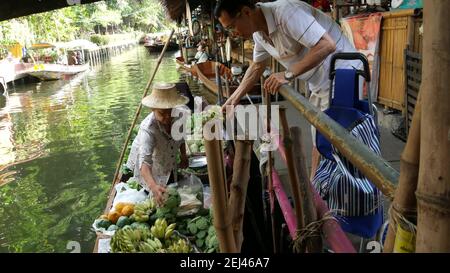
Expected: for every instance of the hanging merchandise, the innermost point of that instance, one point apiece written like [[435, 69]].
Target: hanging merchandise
[[405, 239], [407, 4], [228, 49], [189, 17], [364, 32]]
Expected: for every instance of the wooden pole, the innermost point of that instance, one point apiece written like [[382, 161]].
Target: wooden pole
[[222, 218], [238, 188], [405, 200], [331, 229], [269, 175], [433, 190], [309, 212], [293, 175]]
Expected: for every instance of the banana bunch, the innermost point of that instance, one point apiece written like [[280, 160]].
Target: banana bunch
[[151, 246], [128, 239], [180, 246], [161, 230], [143, 210]]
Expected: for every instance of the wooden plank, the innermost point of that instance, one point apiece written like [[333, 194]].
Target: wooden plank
[[410, 63], [413, 93], [413, 101], [414, 84], [414, 76]]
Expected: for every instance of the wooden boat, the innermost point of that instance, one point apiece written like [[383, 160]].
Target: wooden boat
[[183, 65], [49, 72], [158, 46], [207, 75]]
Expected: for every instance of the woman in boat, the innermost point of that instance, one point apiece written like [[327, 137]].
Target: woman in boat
[[153, 156]]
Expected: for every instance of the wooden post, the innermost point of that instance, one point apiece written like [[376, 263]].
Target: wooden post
[[293, 175], [269, 167], [238, 188], [405, 200], [309, 212], [433, 190], [222, 218]]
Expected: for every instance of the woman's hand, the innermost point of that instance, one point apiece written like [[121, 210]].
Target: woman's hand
[[158, 193]]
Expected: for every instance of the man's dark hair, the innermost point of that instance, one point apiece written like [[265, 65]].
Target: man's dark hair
[[232, 7]]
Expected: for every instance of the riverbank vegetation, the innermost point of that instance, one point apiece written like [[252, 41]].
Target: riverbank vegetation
[[96, 22]]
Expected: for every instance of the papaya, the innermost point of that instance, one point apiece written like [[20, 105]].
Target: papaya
[[119, 206], [128, 210], [113, 216]]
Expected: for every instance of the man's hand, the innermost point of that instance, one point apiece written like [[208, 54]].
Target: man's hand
[[230, 102], [158, 192], [274, 82]]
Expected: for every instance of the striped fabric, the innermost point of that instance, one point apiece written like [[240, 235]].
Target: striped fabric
[[347, 191]]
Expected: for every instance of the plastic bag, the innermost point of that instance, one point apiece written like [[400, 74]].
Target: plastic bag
[[126, 194], [193, 184], [207, 201], [191, 194]]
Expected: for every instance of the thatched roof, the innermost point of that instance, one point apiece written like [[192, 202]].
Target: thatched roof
[[16, 8], [176, 8]]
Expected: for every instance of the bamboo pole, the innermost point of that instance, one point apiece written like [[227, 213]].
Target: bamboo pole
[[405, 200], [433, 189], [238, 188], [313, 244], [222, 219], [138, 112], [293, 175]]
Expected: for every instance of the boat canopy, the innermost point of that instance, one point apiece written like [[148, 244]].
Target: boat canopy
[[75, 44]]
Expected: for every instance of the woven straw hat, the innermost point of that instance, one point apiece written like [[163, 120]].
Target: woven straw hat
[[164, 96]]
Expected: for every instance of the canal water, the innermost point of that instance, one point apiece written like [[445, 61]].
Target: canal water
[[59, 145]]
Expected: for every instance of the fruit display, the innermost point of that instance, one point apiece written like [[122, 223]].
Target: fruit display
[[211, 241], [159, 238], [180, 246], [195, 142], [143, 210], [129, 240], [170, 207], [133, 184], [152, 229]]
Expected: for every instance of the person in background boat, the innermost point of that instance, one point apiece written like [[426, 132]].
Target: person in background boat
[[80, 60], [153, 156], [299, 36], [201, 55], [72, 58]]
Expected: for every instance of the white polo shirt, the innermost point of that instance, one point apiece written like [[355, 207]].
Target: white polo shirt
[[295, 27]]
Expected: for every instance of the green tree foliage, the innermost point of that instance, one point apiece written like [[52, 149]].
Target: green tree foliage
[[81, 21]]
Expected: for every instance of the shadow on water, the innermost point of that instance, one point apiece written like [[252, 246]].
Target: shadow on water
[[59, 143]]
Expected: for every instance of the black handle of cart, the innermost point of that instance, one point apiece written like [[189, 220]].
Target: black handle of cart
[[353, 56], [350, 56]]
